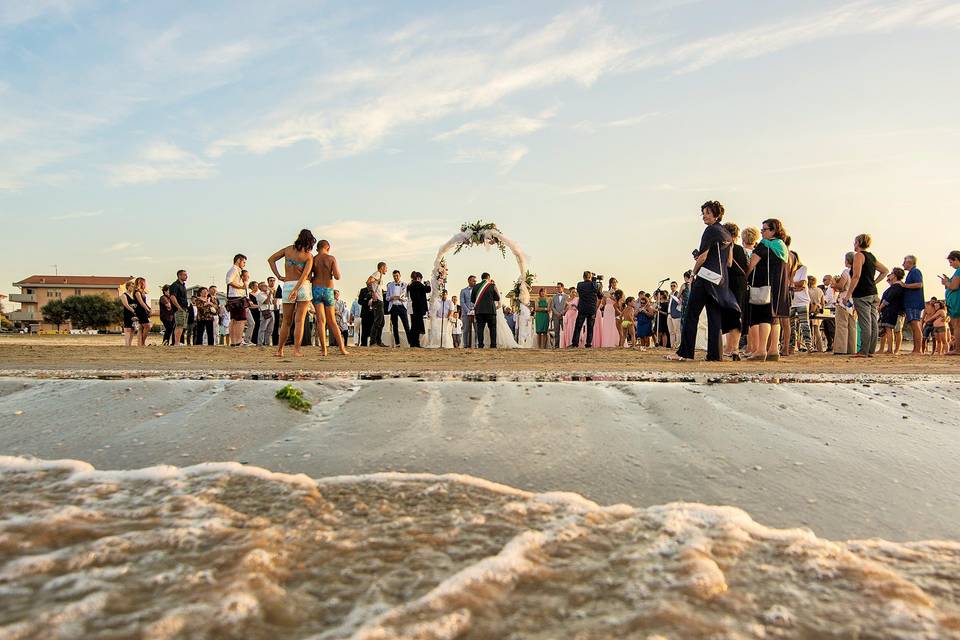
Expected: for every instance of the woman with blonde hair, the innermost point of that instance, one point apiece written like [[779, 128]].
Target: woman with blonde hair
[[750, 237], [141, 307], [866, 274], [129, 313]]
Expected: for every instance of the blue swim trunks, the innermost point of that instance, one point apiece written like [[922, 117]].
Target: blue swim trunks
[[913, 315], [323, 295]]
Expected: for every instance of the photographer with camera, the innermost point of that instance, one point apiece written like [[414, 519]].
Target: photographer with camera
[[588, 294]]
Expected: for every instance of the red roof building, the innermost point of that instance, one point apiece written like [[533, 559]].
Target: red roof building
[[36, 291]]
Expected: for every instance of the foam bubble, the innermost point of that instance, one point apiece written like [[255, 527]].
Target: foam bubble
[[220, 549]]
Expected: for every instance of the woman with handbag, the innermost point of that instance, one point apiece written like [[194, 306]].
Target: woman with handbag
[[710, 289], [769, 277]]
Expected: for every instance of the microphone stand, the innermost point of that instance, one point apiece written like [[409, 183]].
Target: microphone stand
[[656, 321]]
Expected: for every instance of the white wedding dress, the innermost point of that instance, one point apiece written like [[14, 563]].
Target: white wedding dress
[[505, 339], [525, 328]]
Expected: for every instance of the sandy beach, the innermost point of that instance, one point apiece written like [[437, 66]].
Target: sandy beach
[[430, 494], [105, 353]]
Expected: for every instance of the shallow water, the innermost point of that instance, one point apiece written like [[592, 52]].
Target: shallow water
[[229, 551]]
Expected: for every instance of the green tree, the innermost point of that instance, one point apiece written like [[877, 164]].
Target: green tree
[[92, 312], [55, 312]]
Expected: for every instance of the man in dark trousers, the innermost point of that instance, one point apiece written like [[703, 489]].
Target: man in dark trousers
[[417, 291], [589, 295], [366, 315], [485, 298]]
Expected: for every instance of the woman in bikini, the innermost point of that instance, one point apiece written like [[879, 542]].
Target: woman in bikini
[[628, 327], [297, 298]]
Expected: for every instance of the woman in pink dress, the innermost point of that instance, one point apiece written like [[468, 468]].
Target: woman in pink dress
[[570, 320], [607, 321]]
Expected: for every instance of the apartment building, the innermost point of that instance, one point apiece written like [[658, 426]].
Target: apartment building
[[36, 291]]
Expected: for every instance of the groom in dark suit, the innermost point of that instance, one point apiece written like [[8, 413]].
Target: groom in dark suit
[[485, 298]]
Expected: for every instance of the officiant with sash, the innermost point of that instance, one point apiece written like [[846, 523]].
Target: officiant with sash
[[485, 298], [710, 288]]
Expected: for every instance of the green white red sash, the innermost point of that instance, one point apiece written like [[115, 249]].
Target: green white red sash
[[483, 289]]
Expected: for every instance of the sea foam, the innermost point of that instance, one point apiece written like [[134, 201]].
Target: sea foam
[[222, 550]]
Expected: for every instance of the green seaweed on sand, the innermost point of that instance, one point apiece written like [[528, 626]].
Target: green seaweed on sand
[[294, 398]]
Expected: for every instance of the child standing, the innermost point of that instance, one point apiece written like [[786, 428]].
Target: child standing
[[939, 328], [457, 329]]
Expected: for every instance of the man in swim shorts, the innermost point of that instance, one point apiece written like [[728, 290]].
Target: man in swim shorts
[[325, 271]]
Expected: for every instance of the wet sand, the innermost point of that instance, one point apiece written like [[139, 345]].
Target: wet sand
[[26, 354], [854, 460]]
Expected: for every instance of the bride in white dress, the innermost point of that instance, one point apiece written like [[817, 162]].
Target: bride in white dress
[[525, 327], [505, 339]]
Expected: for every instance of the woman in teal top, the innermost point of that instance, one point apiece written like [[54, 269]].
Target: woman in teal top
[[542, 320], [952, 286]]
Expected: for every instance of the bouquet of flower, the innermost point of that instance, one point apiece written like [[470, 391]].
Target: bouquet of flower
[[479, 233], [441, 276]]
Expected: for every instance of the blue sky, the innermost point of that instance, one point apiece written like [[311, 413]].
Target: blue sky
[[138, 139]]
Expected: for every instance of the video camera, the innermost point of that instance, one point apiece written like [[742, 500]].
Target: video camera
[[598, 281]]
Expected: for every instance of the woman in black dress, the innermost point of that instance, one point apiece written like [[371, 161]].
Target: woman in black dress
[[141, 307], [738, 287], [129, 313], [769, 266], [710, 288]]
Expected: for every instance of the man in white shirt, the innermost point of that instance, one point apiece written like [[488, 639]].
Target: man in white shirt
[[800, 311], [236, 297], [375, 284], [397, 307]]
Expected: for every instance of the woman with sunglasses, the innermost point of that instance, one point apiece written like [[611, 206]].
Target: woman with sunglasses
[[769, 267]]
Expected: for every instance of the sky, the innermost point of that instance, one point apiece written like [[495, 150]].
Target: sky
[[140, 138]]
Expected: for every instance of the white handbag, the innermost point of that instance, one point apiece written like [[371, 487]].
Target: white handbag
[[711, 276], [761, 295]]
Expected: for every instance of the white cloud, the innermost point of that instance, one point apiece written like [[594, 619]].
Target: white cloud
[[162, 161], [858, 17], [429, 82], [584, 188], [78, 214], [632, 120], [375, 241], [586, 126], [505, 159], [502, 127], [18, 12], [121, 246]]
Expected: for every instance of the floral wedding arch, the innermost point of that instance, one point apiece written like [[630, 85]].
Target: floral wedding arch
[[473, 234]]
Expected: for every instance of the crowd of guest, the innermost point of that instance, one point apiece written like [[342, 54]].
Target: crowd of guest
[[761, 304], [763, 288]]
